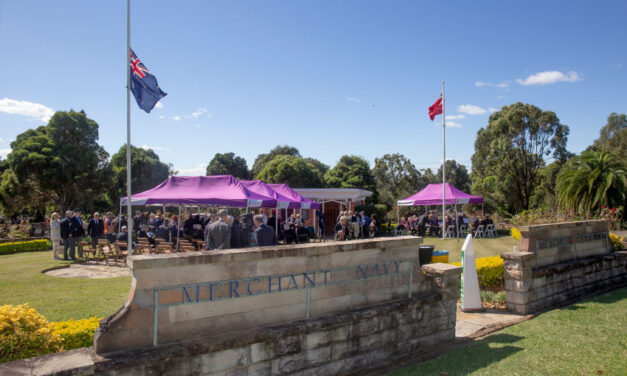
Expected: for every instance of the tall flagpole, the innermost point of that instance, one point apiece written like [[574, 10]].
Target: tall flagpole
[[128, 128], [443, 163]]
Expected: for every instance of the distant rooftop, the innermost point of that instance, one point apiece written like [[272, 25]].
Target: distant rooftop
[[334, 194]]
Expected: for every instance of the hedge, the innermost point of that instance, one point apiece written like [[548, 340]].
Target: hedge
[[489, 271], [27, 246], [24, 333]]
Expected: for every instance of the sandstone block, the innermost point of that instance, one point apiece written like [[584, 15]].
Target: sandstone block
[[225, 359]]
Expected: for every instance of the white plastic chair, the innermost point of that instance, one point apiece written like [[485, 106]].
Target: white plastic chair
[[489, 231], [462, 230], [479, 232], [450, 232]]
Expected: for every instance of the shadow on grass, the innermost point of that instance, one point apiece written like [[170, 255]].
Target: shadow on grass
[[605, 298], [468, 359]]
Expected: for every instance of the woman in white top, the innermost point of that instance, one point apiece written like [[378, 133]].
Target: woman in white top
[[55, 235]]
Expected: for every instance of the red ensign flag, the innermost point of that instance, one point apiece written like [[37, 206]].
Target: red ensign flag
[[436, 108]]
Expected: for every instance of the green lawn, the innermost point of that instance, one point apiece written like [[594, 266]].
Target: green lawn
[[587, 338], [21, 281], [483, 247]]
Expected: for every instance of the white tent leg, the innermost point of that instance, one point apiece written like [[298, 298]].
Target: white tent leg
[[276, 223], [120, 217], [178, 229], [456, 222], [314, 224]]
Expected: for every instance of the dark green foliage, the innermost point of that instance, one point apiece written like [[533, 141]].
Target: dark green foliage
[[510, 152], [60, 164], [147, 169], [592, 180], [396, 178], [263, 159], [613, 137], [456, 175], [291, 170], [352, 172], [228, 164]]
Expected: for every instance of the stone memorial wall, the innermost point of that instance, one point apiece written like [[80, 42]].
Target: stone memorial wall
[[320, 309], [559, 263]]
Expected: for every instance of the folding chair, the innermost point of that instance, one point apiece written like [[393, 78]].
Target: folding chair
[[105, 250], [479, 232], [450, 232], [399, 231], [120, 253], [84, 250], [489, 231], [462, 230]]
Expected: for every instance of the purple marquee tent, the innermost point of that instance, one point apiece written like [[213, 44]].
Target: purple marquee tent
[[432, 195], [202, 190], [258, 186], [287, 191]]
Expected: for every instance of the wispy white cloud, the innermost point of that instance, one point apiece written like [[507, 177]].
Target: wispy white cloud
[[550, 77], [161, 116], [199, 169], [197, 125], [455, 117], [618, 66], [199, 112], [501, 97], [471, 109], [501, 85], [1, 139], [492, 109], [4, 153], [453, 124], [159, 105], [155, 148], [353, 99], [25, 108], [176, 118]]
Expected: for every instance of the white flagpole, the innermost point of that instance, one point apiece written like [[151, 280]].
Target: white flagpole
[[443, 163], [128, 127]]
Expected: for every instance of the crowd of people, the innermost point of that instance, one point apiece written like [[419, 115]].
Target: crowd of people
[[430, 224], [218, 230], [355, 225]]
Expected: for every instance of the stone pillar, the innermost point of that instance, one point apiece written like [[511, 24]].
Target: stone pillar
[[518, 280], [446, 283]]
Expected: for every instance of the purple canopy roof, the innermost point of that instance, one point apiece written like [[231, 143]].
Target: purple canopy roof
[[285, 190], [432, 195], [201, 190], [258, 186]]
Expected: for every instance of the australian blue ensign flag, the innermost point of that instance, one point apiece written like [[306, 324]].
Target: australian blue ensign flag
[[144, 85]]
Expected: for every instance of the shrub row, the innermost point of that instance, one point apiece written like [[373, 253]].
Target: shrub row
[[25, 333], [27, 246], [489, 271]]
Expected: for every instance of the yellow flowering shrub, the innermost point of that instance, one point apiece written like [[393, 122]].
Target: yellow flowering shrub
[[25, 333], [27, 246], [76, 333], [489, 271], [617, 242], [515, 233]]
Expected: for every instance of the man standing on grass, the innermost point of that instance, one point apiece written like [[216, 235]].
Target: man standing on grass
[[95, 229], [69, 242], [77, 231]]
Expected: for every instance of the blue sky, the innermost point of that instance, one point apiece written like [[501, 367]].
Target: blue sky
[[329, 77]]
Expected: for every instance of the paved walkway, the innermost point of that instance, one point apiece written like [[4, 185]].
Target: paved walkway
[[470, 325], [90, 271]]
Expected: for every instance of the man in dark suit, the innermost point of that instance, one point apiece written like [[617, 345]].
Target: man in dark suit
[[95, 229], [69, 242], [236, 233], [77, 230], [218, 234], [263, 233]]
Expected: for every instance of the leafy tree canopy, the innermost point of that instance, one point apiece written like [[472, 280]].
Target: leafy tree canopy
[[396, 178], [291, 170], [591, 180], [228, 164], [352, 171], [613, 137], [263, 159], [147, 169], [456, 175], [511, 150], [62, 160], [321, 167]]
